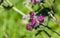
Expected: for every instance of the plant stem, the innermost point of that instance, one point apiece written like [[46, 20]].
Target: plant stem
[[14, 8], [29, 8]]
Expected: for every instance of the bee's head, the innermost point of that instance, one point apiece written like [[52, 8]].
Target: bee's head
[[44, 12]]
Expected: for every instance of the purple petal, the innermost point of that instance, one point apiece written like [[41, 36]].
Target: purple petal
[[40, 18], [33, 22], [28, 27], [31, 14], [34, 1]]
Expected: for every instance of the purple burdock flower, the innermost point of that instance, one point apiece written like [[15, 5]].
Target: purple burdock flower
[[40, 18], [31, 14], [33, 22], [28, 27]]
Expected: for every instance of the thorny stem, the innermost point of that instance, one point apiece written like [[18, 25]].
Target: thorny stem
[[56, 20]]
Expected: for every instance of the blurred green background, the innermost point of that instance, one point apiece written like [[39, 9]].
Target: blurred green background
[[11, 25]]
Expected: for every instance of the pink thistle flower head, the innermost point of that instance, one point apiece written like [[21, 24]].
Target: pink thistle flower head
[[33, 21], [40, 18], [33, 1], [31, 14], [28, 27]]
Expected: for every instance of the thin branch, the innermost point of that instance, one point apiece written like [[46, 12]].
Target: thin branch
[[29, 8], [14, 8]]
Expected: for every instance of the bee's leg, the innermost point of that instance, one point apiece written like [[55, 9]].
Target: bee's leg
[[40, 7], [53, 11], [49, 17]]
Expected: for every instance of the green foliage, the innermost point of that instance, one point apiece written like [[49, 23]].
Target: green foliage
[[11, 25]]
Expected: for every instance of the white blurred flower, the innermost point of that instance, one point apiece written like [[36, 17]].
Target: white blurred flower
[[25, 19]]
